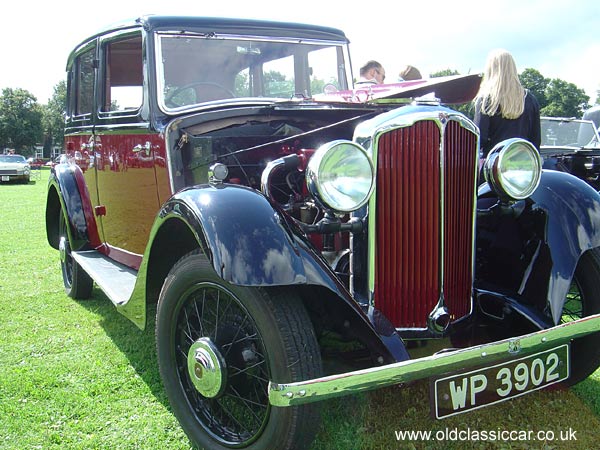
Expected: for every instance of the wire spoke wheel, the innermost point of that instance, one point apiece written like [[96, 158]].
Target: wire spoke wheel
[[219, 345], [238, 410], [582, 300], [573, 307]]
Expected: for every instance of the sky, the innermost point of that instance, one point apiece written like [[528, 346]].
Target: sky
[[560, 39]]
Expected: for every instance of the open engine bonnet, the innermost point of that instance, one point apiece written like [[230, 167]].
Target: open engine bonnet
[[448, 90], [251, 137]]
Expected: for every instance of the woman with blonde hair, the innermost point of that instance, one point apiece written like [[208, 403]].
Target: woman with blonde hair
[[503, 108]]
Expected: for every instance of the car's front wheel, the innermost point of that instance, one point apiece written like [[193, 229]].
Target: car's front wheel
[[218, 346], [583, 300]]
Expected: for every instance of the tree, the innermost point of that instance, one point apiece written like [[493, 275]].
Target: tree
[[564, 99], [20, 120], [444, 73], [535, 82], [54, 118]]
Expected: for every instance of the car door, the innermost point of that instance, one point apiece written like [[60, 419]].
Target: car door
[[125, 148]]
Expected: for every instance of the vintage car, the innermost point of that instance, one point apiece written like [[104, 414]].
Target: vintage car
[[290, 219], [14, 167], [572, 146]]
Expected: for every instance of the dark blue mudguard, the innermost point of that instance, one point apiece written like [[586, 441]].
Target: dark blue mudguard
[[573, 227], [567, 213], [64, 180], [250, 243]]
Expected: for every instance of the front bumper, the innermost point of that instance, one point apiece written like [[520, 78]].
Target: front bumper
[[10, 175], [290, 394]]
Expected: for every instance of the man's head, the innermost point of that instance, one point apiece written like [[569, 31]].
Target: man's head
[[372, 70]]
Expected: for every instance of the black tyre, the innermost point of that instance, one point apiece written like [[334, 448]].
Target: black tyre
[[78, 284], [218, 346], [583, 300]]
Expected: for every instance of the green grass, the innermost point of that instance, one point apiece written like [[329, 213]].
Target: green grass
[[78, 375]]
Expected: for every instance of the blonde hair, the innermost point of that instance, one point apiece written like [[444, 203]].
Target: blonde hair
[[500, 88]]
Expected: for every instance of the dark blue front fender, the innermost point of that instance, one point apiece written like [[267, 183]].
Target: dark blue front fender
[[245, 238], [573, 227], [250, 243], [546, 237]]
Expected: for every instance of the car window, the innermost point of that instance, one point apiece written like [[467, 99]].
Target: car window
[[12, 159], [85, 83], [198, 69], [123, 74], [570, 133]]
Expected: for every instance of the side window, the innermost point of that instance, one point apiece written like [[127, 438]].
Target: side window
[[85, 83], [123, 76]]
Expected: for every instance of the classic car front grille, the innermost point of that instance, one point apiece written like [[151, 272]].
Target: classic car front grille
[[9, 172], [424, 246]]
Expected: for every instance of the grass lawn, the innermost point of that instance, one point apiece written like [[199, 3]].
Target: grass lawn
[[78, 375]]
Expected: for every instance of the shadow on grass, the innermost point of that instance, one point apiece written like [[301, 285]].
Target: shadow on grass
[[137, 345]]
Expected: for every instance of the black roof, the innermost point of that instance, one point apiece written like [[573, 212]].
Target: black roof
[[227, 25]]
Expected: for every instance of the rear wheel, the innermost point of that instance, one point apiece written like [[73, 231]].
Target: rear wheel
[[77, 282], [218, 345], [583, 300]]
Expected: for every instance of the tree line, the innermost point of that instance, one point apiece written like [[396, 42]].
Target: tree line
[[24, 123]]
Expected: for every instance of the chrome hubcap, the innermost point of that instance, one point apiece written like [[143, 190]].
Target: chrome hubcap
[[206, 368]]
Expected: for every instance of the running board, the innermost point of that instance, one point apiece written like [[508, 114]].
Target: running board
[[116, 280]]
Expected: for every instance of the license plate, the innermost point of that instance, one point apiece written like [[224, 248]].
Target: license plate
[[5, 178], [464, 392]]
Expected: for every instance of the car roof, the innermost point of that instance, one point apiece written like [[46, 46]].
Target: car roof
[[207, 25]]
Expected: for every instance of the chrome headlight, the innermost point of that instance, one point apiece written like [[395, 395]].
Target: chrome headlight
[[513, 169], [340, 176]]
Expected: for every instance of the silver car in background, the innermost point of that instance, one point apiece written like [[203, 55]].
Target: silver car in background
[[572, 146], [14, 167]]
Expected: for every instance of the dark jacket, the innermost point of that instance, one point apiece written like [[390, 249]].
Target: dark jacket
[[495, 128]]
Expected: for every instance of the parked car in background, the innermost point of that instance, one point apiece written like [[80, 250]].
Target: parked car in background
[[278, 215], [14, 167], [572, 146], [36, 163]]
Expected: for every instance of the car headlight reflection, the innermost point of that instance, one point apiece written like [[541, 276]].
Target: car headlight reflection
[[513, 169], [340, 176]]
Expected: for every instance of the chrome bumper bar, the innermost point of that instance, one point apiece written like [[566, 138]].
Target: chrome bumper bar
[[290, 394]]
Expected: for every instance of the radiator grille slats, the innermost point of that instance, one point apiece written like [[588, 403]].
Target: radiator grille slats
[[459, 159], [408, 244]]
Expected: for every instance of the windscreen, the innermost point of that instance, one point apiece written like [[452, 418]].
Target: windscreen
[[193, 69]]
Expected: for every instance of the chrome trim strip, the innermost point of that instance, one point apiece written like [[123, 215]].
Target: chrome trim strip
[[291, 394]]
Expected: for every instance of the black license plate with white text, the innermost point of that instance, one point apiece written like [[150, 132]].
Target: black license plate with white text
[[464, 392]]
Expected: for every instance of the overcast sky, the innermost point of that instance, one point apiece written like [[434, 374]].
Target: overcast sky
[[559, 38]]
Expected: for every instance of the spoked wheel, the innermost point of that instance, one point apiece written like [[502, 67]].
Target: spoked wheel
[[219, 345], [77, 282], [583, 300]]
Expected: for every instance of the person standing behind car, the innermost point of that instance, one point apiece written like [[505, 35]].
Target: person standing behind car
[[371, 73], [503, 108]]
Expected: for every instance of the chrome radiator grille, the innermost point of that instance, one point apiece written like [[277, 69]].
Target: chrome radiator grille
[[424, 221]]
